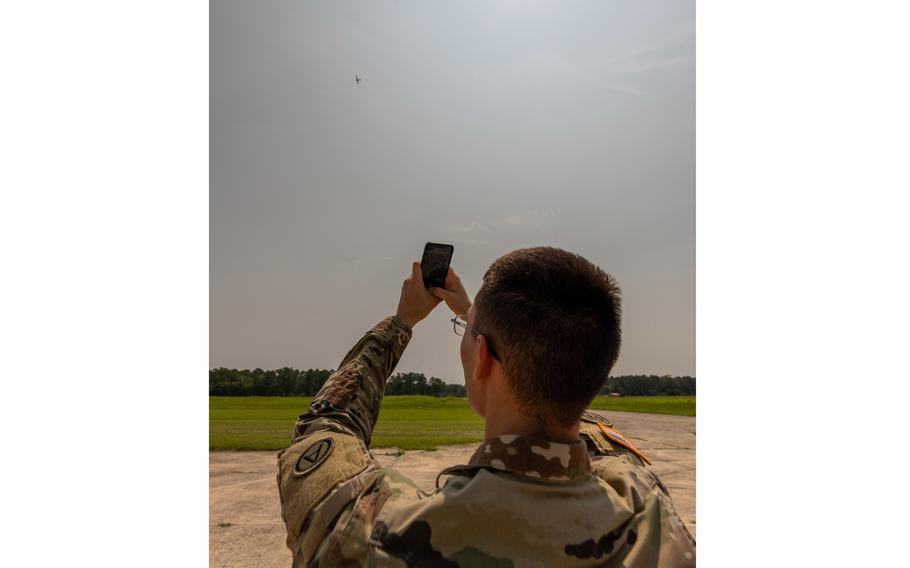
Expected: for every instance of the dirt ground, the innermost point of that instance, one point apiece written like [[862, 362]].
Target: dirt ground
[[245, 528]]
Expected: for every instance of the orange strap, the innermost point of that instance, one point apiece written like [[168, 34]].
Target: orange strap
[[615, 436]]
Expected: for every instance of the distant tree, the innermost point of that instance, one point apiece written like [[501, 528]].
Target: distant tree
[[421, 385], [285, 381], [436, 387], [265, 383], [455, 390], [395, 385]]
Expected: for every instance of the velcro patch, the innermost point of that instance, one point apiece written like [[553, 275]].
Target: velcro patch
[[310, 469], [618, 438]]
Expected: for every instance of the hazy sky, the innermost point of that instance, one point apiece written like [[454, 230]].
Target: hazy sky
[[489, 125]]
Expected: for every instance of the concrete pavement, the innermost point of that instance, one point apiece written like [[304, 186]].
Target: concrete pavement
[[245, 527]]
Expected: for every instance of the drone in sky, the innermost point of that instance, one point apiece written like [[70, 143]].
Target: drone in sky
[[357, 79]]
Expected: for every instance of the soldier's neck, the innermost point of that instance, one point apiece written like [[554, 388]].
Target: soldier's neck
[[512, 422], [503, 416]]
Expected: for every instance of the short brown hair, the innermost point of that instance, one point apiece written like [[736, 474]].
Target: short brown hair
[[554, 319]]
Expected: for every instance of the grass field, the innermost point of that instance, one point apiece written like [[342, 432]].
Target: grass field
[[678, 405], [406, 422]]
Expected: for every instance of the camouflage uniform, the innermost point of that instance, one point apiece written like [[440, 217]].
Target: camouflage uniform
[[517, 502]]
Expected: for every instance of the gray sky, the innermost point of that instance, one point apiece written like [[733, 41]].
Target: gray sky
[[490, 125]]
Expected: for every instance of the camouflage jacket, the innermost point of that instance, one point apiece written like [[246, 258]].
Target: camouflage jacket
[[517, 502]]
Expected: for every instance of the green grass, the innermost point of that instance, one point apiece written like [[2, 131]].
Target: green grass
[[679, 405], [406, 422]]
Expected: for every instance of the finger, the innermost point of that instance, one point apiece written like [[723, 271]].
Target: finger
[[441, 293], [452, 279]]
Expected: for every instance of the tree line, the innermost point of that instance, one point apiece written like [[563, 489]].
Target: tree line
[[293, 382], [649, 385]]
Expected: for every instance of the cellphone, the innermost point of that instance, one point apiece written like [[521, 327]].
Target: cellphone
[[435, 264]]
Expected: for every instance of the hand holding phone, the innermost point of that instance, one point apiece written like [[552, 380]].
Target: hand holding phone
[[454, 294], [415, 302]]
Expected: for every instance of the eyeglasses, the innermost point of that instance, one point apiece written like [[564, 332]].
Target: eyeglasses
[[459, 325]]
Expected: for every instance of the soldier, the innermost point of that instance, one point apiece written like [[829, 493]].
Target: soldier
[[551, 485]]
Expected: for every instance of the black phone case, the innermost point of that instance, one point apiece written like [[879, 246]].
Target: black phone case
[[431, 266]]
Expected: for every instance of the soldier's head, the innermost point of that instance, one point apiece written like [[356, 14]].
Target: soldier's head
[[549, 322]]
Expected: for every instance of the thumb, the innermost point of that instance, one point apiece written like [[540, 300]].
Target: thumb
[[415, 271]]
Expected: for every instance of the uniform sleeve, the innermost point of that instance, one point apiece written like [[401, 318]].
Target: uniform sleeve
[[328, 463]]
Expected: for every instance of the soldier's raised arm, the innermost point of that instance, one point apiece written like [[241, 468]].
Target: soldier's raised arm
[[350, 399], [328, 463]]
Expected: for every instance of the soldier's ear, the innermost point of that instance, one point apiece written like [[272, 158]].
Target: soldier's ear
[[483, 364]]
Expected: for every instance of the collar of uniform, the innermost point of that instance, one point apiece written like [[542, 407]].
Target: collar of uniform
[[535, 459]]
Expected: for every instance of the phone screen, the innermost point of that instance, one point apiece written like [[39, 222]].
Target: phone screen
[[435, 264]]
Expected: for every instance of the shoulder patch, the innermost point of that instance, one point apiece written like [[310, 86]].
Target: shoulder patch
[[618, 438], [313, 456], [594, 418]]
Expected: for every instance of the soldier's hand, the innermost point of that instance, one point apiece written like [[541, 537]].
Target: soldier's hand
[[454, 294], [415, 302]]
